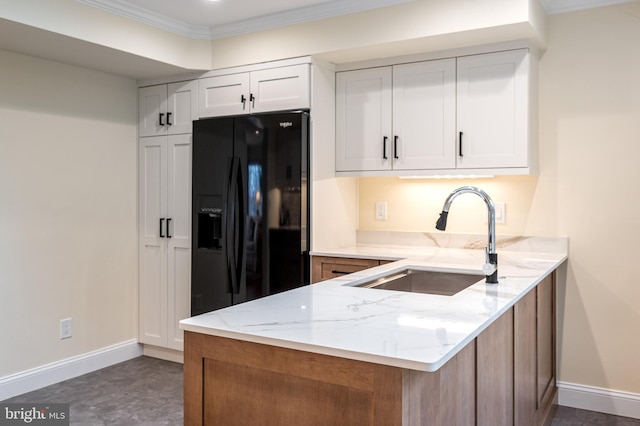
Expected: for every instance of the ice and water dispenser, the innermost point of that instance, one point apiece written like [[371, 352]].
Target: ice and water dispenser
[[210, 222]]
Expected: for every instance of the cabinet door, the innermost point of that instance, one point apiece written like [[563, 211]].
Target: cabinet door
[[494, 369], [492, 102], [424, 109], [363, 120], [546, 308], [524, 358], [152, 110], [178, 236], [182, 106], [280, 89], [152, 206], [224, 95]]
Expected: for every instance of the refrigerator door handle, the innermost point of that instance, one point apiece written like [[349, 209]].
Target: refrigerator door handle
[[240, 225], [229, 227]]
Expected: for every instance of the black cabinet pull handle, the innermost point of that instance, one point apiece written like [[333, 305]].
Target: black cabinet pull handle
[[395, 147], [168, 222], [337, 272], [161, 220], [169, 119], [460, 145], [384, 147], [243, 100], [160, 119], [253, 100]]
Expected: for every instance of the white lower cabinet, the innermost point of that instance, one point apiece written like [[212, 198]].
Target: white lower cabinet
[[164, 227]]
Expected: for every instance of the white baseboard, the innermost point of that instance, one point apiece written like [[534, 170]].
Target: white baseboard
[[608, 401], [39, 377], [163, 353]]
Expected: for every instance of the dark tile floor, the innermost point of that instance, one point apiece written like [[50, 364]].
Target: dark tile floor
[[141, 392], [148, 392]]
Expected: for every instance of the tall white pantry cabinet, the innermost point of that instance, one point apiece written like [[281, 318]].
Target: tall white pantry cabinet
[[166, 112]]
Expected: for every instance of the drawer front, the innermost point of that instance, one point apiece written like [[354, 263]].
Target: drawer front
[[325, 268]]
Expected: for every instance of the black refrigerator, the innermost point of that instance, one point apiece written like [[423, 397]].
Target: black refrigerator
[[250, 208]]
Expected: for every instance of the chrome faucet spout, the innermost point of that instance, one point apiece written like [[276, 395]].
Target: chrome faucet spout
[[491, 266]]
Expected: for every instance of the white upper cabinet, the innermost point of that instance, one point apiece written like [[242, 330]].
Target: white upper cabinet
[[363, 119], [493, 110], [273, 89], [396, 118], [424, 115], [465, 115], [167, 109]]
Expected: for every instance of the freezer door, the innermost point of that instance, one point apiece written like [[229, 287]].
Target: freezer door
[[211, 168]]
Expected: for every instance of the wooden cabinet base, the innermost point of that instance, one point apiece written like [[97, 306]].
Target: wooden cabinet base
[[499, 378], [232, 382]]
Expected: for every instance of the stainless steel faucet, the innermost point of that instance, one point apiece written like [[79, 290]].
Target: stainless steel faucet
[[490, 269]]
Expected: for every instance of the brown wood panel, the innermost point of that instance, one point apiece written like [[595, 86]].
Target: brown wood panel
[[458, 384], [494, 367], [525, 358], [242, 395], [193, 371], [340, 371], [245, 383], [443, 397], [546, 306], [325, 268]]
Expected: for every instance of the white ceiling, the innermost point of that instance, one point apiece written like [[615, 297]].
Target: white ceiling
[[223, 18]]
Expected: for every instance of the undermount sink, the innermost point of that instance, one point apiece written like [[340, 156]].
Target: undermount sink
[[420, 281]]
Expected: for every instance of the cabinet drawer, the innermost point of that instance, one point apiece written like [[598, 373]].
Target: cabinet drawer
[[325, 268]]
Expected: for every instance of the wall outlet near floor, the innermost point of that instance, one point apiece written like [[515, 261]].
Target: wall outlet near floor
[[501, 211], [381, 210], [65, 328]]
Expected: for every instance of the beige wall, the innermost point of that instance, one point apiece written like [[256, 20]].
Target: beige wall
[[587, 190], [67, 210], [414, 27], [100, 28]]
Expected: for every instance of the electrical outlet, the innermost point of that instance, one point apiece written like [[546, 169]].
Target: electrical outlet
[[501, 211], [65, 328], [381, 210]]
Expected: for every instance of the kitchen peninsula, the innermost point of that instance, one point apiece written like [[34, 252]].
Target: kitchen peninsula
[[334, 353]]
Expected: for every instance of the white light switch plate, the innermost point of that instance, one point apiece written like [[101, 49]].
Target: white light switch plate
[[501, 211], [381, 210]]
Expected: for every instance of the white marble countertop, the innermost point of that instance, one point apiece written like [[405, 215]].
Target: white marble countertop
[[407, 330]]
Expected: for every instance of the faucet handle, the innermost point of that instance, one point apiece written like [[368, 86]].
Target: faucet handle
[[488, 268]]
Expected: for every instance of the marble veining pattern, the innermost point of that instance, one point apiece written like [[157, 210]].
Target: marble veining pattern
[[408, 330]]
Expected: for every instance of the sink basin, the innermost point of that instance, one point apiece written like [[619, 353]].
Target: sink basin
[[420, 281]]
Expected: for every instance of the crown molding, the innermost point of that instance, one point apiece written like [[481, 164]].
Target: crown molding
[[290, 17], [146, 16], [275, 20], [301, 15], [560, 6]]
